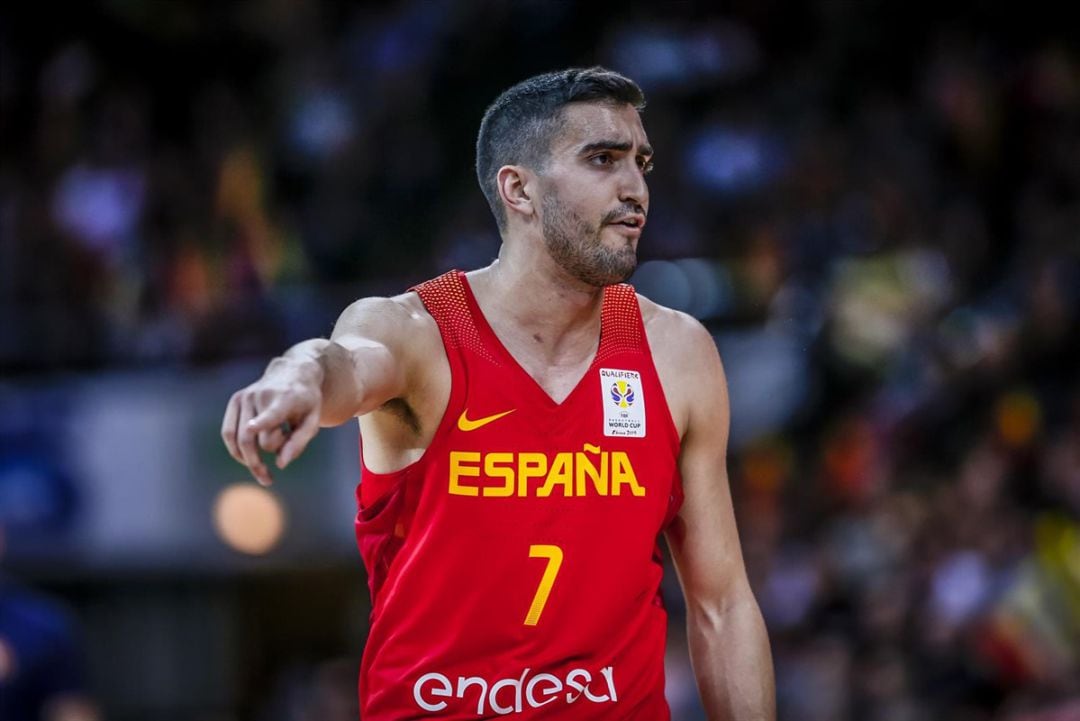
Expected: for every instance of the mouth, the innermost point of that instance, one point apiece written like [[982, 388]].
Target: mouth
[[628, 231], [629, 225], [634, 221]]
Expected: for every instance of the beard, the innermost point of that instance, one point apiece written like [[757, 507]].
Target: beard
[[578, 249]]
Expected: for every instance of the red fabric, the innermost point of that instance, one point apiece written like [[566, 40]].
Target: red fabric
[[453, 576]]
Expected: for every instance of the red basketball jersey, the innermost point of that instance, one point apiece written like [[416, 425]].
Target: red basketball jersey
[[515, 568]]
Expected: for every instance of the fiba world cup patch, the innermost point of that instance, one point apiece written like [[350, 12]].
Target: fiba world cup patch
[[624, 403]]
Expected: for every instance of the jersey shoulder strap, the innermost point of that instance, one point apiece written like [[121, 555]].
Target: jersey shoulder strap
[[620, 318], [446, 299]]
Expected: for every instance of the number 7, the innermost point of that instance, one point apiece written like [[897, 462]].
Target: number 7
[[554, 555]]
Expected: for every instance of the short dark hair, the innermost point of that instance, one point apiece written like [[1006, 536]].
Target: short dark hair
[[520, 125]]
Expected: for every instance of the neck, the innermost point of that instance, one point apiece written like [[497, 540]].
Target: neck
[[539, 299]]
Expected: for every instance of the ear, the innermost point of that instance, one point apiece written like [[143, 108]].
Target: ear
[[514, 183]]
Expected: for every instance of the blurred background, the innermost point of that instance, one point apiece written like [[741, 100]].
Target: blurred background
[[874, 206]]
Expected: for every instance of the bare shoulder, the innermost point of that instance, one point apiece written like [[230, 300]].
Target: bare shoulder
[[401, 325], [401, 321], [676, 338], [686, 360], [384, 316]]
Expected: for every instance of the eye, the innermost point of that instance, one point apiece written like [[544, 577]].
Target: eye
[[601, 159], [645, 165]]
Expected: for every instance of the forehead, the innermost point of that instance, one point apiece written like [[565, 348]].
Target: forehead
[[585, 123]]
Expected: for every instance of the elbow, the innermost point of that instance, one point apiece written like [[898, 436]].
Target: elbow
[[713, 608]]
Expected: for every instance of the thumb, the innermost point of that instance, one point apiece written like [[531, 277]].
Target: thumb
[[271, 417]]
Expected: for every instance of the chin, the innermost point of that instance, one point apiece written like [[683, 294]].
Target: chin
[[614, 270]]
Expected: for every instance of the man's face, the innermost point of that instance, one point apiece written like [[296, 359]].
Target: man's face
[[595, 198]]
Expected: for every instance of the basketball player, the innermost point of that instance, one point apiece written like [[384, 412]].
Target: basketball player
[[528, 430]]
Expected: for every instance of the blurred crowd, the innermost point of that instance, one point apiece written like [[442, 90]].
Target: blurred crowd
[[894, 191]]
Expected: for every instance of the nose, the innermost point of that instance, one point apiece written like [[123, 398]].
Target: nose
[[633, 189]]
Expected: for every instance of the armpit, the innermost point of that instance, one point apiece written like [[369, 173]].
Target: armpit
[[400, 410]]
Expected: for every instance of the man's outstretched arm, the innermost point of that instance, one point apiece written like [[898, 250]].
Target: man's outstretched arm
[[319, 382], [729, 646]]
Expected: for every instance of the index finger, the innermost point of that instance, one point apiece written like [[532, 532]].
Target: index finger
[[299, 439], [247, 440]]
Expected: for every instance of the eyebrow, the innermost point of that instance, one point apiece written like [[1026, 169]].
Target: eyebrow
[[645, 150]]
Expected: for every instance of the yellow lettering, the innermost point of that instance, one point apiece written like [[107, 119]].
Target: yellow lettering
[[505, 472], [560, 475], [567, 474], [530, 465], [457, 470], [583, 466], [622, 473]]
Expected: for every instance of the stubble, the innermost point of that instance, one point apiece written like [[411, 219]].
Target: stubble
[[578, 248]]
